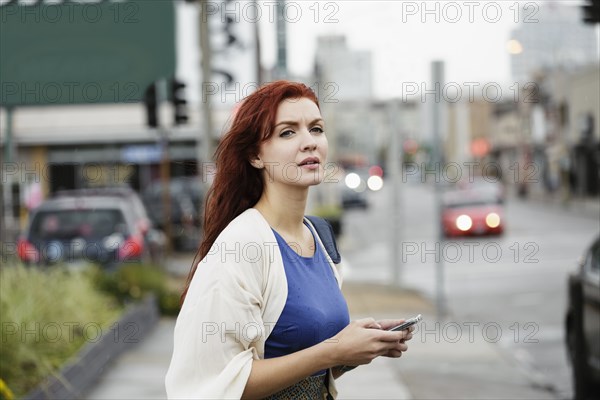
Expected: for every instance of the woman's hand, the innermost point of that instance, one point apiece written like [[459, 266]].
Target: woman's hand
[[364, 340], [402, 347]]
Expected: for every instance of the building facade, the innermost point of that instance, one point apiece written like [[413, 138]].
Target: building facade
[[551, 36]]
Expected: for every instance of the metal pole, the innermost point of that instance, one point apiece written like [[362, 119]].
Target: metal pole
[[205, 50], [281, 70], [395, 163], [165, 166], [165, 178], [437, 74], [259, 74], [8, 221]]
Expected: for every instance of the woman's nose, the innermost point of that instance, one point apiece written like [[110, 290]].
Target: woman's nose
[[309, 143]]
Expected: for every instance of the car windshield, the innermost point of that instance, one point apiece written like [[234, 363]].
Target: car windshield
[[468, 199], [177, 187], [70, 224]]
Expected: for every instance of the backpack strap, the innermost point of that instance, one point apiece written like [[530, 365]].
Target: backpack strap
[[325, 232]]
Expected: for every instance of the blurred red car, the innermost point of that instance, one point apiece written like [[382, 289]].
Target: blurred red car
[[472, 213]]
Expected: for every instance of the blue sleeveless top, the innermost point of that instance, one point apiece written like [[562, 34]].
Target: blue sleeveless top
[[315, 309]]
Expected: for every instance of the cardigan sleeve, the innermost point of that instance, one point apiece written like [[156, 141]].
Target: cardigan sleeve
[[220, 328]]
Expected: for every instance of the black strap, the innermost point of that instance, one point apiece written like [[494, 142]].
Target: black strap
[[325, 232]]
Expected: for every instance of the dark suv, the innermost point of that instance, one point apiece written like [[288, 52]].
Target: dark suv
[[96, 228], [186, 196], [583, 324]]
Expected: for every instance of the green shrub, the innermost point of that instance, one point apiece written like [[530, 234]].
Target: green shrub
[[333, 212], [131, 282], [47, 315]]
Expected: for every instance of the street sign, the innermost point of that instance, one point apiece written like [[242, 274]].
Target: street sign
[[141, 154]]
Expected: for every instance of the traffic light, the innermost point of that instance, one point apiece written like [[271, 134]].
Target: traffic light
[[179, 102], [231, 38], [228, 77], [591, 12], [151, 106]]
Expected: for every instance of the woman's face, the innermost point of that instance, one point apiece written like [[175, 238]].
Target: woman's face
[[296, 152]]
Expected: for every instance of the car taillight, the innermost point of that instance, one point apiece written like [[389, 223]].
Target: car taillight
[[27, 251], [131, 248]]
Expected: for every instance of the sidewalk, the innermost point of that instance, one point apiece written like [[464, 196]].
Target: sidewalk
[[588, 207], [440, 363]]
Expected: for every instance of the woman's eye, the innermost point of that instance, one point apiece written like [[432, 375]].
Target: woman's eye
[[286, 133], [317, 129]]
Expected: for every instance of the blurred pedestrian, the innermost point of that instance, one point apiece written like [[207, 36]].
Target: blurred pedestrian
[[263, 314]]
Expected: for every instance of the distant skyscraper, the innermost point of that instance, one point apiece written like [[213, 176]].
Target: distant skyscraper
[[351, 71], [552, 37]]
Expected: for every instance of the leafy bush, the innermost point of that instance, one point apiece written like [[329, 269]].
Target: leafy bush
[[46, 316], [333, 215], [133, 281]]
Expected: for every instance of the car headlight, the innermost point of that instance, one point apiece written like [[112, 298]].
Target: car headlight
[[464, 222], [375, 183], [492, 220], [352, 180]]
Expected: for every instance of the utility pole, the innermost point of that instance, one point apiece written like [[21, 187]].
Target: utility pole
[[165, 166], [394, 157], [207, 126], [8, 220], [281, 69], [437, 77], [259, 74]]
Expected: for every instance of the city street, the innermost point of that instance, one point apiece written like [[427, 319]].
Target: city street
[[129, 129], [514, 287], [502, 336]]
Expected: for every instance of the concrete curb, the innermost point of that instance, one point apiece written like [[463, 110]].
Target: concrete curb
[[79, 375]]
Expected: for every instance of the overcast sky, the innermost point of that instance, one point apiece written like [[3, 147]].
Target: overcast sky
[[403, 46], [404, 37]]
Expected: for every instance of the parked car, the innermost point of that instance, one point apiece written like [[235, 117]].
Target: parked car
[[138, 208], [155, 238], [95, 228], [471, 213], [582, 324], [186, 195], [354, 188]]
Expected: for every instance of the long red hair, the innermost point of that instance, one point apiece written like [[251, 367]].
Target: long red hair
[[237, 185]]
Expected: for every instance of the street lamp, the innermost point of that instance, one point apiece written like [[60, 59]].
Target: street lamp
[[514, 46]]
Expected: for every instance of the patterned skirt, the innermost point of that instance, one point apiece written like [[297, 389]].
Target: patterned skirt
[[311, 388]]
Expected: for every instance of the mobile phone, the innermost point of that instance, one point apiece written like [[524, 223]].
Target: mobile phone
[[406, 324]]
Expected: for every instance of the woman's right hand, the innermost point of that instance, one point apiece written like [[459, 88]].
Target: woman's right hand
[[363, 340]]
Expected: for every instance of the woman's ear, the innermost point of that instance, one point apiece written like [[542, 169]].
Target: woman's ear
[[257, 163]]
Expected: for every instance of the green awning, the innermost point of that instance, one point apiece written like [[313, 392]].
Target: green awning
[[84, 52]]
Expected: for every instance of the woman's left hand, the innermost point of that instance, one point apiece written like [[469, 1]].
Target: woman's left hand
[[402, 346]]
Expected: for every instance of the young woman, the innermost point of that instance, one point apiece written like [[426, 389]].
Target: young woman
[[263, 314]]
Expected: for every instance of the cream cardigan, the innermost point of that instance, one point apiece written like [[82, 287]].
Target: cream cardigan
[[234, 300]]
